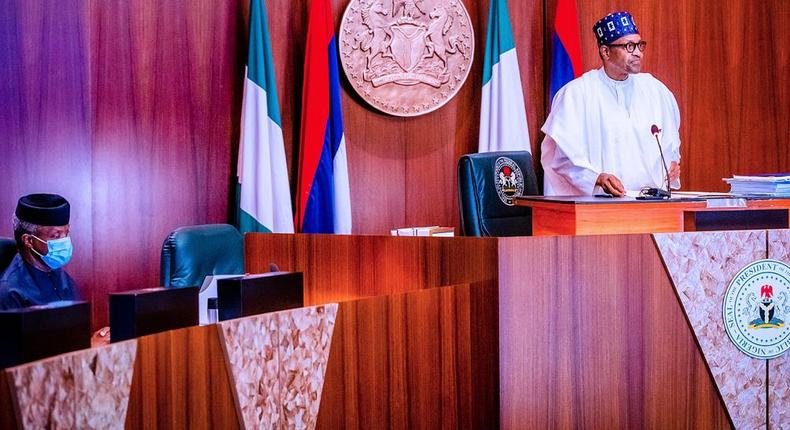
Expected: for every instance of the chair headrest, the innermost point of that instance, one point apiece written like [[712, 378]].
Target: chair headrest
[[7, 252], [189, 254]]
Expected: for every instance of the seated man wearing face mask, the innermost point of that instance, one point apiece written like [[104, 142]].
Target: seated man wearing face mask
[[35, 275]]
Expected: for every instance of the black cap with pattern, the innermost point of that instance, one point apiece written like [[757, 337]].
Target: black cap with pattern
[[43, 209]]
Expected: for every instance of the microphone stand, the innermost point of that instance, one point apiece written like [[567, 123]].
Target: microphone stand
[[663, 163]]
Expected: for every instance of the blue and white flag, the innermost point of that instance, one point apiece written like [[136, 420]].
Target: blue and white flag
[[264, 192], [503, 118]]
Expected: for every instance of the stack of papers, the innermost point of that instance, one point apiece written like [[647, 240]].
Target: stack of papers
[[773, 184], [434, 230]]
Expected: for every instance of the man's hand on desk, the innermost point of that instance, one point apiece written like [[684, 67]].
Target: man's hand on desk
[[610, 184], [101, 337]]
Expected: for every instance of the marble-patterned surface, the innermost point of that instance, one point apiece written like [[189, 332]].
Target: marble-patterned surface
[[87, 389], [277, 362], [779, 368], [701, 266]]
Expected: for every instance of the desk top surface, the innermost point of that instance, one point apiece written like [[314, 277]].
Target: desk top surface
[[685, 198]]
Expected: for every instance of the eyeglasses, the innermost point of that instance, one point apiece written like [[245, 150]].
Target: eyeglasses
[[630, 46]]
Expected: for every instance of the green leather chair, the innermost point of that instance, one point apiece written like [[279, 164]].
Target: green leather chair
[[485, 193], [7, 252], [191, 253]]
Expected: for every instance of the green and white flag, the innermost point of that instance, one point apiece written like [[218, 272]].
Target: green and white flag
[[503, 118], [264, 194]]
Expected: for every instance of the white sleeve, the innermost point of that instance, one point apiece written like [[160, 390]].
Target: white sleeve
[[578, 173], [566, 154]]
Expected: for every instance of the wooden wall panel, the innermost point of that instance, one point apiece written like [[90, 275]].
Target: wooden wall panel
[[45, 117], [403, 170], [727, 64], [181, 382], [166, 85], [591, 329], [410, 361], [339, 267]]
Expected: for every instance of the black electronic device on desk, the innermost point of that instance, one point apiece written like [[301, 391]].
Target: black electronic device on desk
[[257, 294], [651, 193], [152, 310], [37, 332]]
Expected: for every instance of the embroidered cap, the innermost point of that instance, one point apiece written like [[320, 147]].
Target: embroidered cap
[[614, 26], [43, 209]]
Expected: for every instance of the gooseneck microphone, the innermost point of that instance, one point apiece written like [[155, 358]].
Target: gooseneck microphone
[[655, 130]]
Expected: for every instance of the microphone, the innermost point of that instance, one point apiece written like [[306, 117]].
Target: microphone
[[655, 130]]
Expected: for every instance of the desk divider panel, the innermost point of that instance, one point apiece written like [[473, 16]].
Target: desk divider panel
[[82, 389], [701, 266], [779, 368], [277, 363]]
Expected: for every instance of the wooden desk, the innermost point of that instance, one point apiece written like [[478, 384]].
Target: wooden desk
[[587, 215]]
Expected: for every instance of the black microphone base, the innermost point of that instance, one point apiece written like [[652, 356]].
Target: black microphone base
[[654, 194]]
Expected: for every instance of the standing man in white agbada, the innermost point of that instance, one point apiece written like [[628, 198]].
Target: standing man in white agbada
[[598, 133]]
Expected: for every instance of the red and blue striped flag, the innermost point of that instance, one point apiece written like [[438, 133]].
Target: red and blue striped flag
[[323, 203], [566, 58]]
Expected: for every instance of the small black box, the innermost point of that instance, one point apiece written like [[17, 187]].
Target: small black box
[[258, 294], [38, 332], [152, 310]]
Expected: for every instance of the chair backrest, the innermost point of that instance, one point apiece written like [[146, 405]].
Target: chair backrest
[[7, 252], [486, 183], [189, 254]]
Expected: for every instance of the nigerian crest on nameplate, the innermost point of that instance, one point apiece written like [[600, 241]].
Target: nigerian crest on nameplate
[[756, 307], [406, 57]]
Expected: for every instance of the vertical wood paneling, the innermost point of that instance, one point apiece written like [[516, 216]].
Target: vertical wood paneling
[[592, 329], [166, 85], [396, 362], [342, 267], [44, 116], [181, 381]]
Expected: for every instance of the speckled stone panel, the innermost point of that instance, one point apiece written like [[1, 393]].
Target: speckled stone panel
[[701, 266], [277, 362], [87, 389], [779, 368]]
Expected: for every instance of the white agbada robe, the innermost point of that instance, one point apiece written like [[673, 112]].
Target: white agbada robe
[[600, 125]]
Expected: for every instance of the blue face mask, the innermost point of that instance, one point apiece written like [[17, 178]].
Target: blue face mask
[[58, 252]]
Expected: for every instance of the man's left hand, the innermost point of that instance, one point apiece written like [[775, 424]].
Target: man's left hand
[[674, 171]]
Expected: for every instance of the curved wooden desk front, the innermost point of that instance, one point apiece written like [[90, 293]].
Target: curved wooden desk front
[[587, 215]]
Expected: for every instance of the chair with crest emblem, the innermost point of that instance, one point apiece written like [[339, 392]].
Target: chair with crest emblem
[[487, 182]]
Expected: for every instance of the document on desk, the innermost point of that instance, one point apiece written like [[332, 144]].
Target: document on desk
[[702, 194]]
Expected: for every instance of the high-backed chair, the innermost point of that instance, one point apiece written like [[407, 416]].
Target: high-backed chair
[[189, 254], [7, 252], [486, 183]]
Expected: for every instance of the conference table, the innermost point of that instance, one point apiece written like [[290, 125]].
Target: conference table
[[591, 215]]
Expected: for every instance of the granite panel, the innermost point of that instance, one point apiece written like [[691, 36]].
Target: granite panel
[[305, 337], [87, 389], [277, 362], [701, 266], [779, 368]]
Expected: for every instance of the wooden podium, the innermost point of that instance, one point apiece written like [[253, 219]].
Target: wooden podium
[[588, 215]]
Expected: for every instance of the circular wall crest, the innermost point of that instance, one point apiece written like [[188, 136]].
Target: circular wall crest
[[406, 57], [757, 309]]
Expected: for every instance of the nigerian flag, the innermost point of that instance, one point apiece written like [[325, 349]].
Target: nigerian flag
[[264, 192], [503, 119]]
